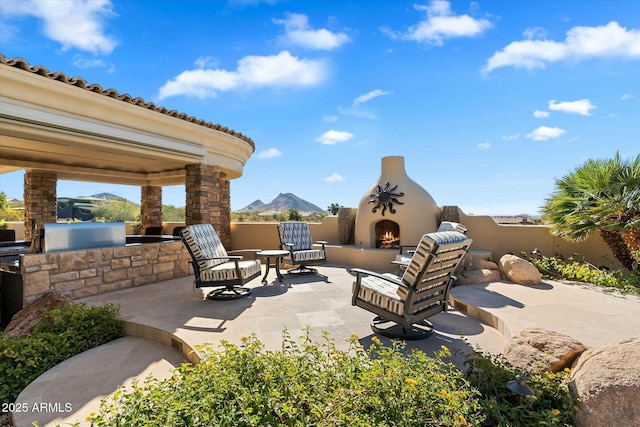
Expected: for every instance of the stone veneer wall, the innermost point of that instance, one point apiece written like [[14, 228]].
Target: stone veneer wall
[[209, 200], [82, 273], [40, 196], [151, 208]]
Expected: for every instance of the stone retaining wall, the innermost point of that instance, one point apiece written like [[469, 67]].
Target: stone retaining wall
[[82, 273]]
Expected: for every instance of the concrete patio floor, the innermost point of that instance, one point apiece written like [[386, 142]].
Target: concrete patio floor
[[164, 321]]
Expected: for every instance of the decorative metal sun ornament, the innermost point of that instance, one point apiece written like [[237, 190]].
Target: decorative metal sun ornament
[[385, 198]]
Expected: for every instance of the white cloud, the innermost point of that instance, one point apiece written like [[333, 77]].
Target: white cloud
[[440, 24], [333, 178], [369, 96], [269, 153], [609, 41], [543, 133], [88, 63], [281, 70], [75, 24], [206, 62], [511, 137], [582, 107], [332, 137], [484, 145], [299, 33], [626, 96], [541, 114], [534, 33]]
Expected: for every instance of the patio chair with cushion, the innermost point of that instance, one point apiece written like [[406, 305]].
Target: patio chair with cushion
[[403, 303], [213, 266], [295, 238], [403, 257]]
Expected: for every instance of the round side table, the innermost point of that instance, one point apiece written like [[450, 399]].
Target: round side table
[[272, 259]]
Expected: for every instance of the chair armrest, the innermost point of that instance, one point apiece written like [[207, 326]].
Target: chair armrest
[[253, 251], [395, 280], [321, 242], [224, 257], [410, 249]]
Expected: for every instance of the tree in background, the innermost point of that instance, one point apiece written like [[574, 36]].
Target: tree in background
[[116, 210], [602, 195], [7, 213], [3, 201], [333, 208], [295, 215], [172, 214]]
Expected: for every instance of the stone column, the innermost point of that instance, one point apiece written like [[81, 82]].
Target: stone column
[[151, 208], [40, 200], [208, 200]]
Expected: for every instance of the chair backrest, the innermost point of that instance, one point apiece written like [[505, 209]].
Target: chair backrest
[[437, 256], [203, 243], [452, 226], [296, 233]]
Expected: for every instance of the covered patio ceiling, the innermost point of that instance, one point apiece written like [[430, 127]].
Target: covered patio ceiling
[[82, 132]]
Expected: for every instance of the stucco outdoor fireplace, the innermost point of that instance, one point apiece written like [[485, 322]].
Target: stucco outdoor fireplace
[[395, 210]]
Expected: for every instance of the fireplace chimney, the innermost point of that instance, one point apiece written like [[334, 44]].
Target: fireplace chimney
[[395, 197]]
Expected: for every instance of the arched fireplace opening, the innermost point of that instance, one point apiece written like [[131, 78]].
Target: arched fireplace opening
[[387, 234]]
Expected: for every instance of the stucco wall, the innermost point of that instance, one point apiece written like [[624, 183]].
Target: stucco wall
[[484, 231], [503, 239]]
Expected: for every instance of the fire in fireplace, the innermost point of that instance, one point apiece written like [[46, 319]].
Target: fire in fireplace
[[387, 235]]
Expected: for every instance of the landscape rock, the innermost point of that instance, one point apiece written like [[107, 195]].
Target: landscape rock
[[542, 350], [30, 316], [518, 270], [607, 382], [480, 264], [476, 277]]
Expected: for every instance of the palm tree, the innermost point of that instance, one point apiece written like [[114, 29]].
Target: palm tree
[[602, 195]]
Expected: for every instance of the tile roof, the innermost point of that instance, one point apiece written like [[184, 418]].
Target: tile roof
[[112, 93]]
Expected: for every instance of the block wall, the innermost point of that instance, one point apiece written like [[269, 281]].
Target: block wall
[[79, 274]]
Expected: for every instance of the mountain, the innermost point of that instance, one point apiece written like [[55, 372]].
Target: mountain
[[253, 207], [109, 196], [283, 202]]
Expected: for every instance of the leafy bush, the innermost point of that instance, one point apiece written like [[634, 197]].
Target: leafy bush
[[581, 271], [116, 210], [10, 214], [306, 384], [63, 333], [552, 404]]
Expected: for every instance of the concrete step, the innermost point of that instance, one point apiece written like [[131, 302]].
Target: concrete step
[[71, 390]]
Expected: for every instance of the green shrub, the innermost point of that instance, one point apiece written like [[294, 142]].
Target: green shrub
[[581, 271], [63, 333], [552, 404], [303, 384]]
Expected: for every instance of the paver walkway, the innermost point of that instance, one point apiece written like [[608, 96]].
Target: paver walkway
[[172, 313]]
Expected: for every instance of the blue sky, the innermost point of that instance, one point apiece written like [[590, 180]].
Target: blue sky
[[488, 101]]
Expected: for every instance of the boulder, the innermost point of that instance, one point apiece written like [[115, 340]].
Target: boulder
[[479, 264], [518, 270], [476, 277], [607, 382], [30, 316], [541, 350]]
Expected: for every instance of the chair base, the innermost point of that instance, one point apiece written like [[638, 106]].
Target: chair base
[[302, 270], [390, 329], [230, 293]]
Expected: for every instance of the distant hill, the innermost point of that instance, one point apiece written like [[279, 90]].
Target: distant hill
[[256, 206], [283, 202], [109, 196]]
